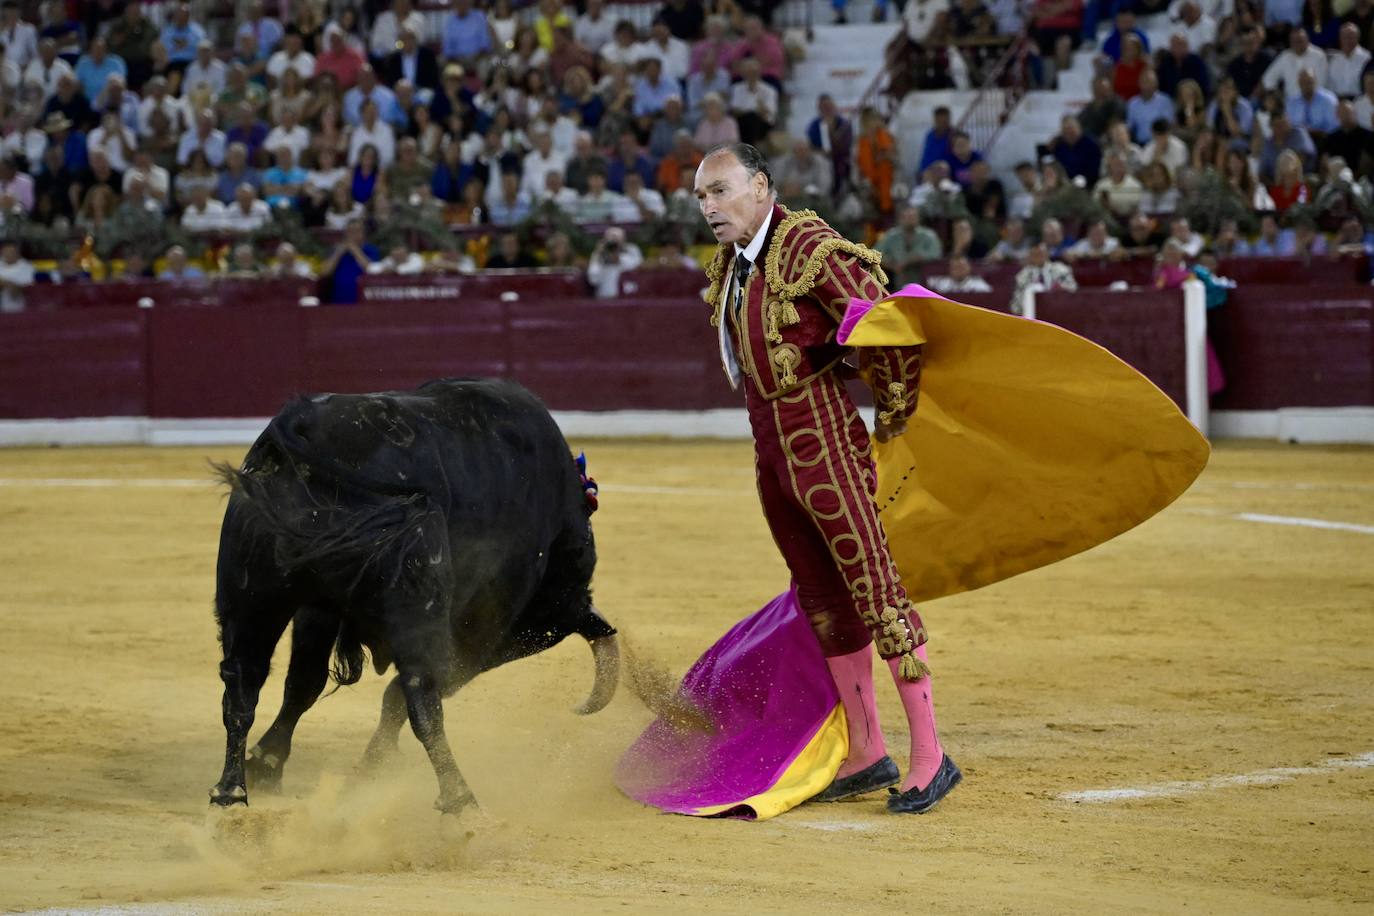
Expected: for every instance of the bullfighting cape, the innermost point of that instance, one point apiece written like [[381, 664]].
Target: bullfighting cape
[[1029, 444]]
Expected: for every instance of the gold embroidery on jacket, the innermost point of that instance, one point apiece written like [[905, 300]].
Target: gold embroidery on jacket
[[787, 358]]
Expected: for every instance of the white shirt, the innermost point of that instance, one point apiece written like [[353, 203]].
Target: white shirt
[[380, 135], [751, 253], [1199, 35], [386, 31], [1283, 72], [970, 284], [1364, 111], [20, 43], [46, 76], [175, 109], [155, 179], [212, 74], [593, 34], [1343, 73], [605, 278], [537, 167], [27, 143], [413, 264], [258, 215], [1084, 248], [303, 63], [109, 142], [744, 100], [20, 273], [211, 219], [676, 57], [651, 200], [298, 138]]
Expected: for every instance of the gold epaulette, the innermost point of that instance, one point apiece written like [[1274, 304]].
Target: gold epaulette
[[801, 244], [715, 272]]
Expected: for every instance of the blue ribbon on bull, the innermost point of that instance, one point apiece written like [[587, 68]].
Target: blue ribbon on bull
[[588, 484]]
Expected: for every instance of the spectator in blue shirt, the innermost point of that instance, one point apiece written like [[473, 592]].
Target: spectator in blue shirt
[[1314, 107], [1273, 242], [1078, 153], [1283, 12], [347, 263], [181, 37], [652, 91], [236, 171], [369, 88], [466, 35], [961, 157], [1147, 107], [628, 158], [282, 183], [204, 136], [1125, 24], [95, 67], [937, 145], [510, 205], [265, 29]]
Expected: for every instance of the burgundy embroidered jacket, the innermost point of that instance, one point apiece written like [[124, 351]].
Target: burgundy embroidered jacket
[[785, 334]]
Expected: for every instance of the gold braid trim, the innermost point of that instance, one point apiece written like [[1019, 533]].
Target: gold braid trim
[[787, 313], [772, 332], [896, 629], [787, 358], [896, 401], [794, 223], [715, 272]]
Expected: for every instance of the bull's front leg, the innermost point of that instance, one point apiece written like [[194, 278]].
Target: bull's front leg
[[247, 658]]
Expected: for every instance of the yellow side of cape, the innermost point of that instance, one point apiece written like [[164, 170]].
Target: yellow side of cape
[[809, 773], [1029, 444]]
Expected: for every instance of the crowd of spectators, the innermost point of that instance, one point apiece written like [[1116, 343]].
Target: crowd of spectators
[[1251, 133], [340, 139]]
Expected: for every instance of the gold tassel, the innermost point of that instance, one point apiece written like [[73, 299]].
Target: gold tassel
[[773, 335], [789, 316], [912, 668]]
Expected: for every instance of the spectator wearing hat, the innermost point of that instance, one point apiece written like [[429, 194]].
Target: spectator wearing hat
[[412, 62], [62, 134]]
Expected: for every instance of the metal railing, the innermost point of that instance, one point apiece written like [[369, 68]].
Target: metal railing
[[999, 95]]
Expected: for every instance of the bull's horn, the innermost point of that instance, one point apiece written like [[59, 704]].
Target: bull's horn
[[606, 653]]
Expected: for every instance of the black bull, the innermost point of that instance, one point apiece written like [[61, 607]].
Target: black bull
[[445, 529]]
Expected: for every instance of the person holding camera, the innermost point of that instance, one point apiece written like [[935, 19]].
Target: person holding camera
[[612, 257]]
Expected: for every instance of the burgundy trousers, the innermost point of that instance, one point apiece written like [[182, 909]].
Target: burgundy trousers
[[817, 483]]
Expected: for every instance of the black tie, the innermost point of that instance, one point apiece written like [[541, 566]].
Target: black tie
[[742, 267]]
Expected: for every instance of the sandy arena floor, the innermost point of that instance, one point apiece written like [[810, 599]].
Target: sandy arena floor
[[1232, 657]]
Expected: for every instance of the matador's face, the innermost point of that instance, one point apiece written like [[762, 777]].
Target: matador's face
[[733, 201]]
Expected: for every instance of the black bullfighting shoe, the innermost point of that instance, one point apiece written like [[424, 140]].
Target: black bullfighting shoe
[[919, 801], [877, 776]]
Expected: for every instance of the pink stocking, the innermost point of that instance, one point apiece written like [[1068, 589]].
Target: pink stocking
[[853, 674], [926, 752]]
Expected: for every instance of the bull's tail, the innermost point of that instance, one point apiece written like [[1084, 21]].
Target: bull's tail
[[349, 657]]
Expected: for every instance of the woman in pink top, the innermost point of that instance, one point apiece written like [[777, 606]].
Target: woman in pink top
[[717, 126], [338, 58], [1172, 271]]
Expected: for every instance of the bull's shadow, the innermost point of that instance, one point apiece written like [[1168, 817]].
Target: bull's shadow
[[446, 531]]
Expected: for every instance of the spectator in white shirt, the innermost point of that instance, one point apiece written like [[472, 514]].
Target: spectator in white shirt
[[1183, 235], [1165, 148], [18, 38], [372, 130], [290, 132], [203, 214], [19, 137], [754, 103], [204, 137], [155, 178], [247, 213], [1199, 29], [156, 97], [288, 264], [16, 275], [598, 204], [539, 162], [672, 52], [291, 56], [386, 28], [594, 29], [646, 203], [115, 139], [1347, 63], [557, 193], [117, 97], [399, 260], [611, 258], [1283, 72], [1097, 245], [206, 69], [622, 48], [47, 68], [961, 279], [1364, 105]]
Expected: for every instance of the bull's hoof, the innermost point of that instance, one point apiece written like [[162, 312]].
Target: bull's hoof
[[457, 804], [228, 797], [263, 771]]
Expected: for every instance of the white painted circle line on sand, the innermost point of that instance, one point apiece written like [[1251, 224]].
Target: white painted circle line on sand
[[1192, 786], [1304, 522]]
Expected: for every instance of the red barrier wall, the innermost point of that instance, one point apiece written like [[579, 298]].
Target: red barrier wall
[[1280, 346]]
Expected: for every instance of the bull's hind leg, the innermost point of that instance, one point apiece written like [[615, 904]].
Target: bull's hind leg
[[383, 744], [312, 638], [249, 639], [425, 706]]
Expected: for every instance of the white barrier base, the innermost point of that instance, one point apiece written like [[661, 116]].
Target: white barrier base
[[1314, 425], [1308, 425]]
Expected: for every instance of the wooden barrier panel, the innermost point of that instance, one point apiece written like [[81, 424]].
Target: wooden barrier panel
[[233, 292], [91, 363], [226, 362]]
